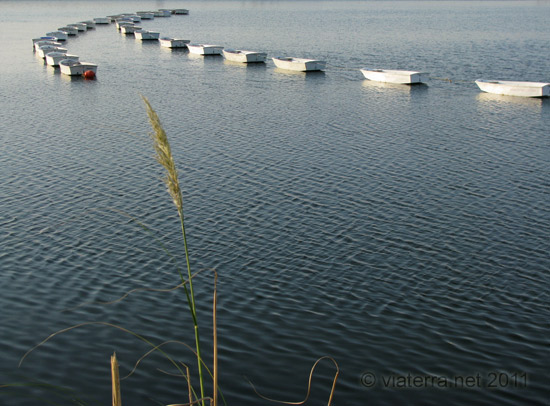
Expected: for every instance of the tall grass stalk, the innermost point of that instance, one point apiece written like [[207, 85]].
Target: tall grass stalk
[[166, 160]]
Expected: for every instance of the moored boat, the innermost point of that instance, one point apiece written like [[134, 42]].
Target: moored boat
[[168, 42], [102, 20], [114, 17], [129, 29], [123, 21], [299, 64], [50, 38], [514, 88], [163, 13], [79, 26], [38, 44], [59, 35], [71, 31], [46, 49], [238, 55], [146, 15], [180, 11], [205, 49], [53, 58], [405, 77], [89, 24], [136, 18], [74, 68], [145, 35]]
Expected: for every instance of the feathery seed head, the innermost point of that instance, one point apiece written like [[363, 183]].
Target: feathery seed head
[[164, 156]]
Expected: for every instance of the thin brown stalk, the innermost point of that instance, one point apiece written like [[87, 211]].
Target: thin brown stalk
[[117, 400], [189, 388], [308, 385], [215, 332]]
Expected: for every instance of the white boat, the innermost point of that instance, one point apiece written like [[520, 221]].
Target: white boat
[[59, 35], [205, 49], [180, 11], [511, 88], [163, 13], [74, 68], [68, 30], [406, 77], [299, 64], [173, 42], [102, 20], [79, 26], [44, 39], [129, 29], [38, 44], [89, 23], [146, 15], [123, 21], [146, 35], [238, 55], [46, 49], [53, 58], [136, 18], [114, 17]]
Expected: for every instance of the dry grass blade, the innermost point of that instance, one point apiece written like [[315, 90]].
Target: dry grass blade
[[308, 385], [189, 387], [192, 403], [156, 348], [117, 400], [215, 339]]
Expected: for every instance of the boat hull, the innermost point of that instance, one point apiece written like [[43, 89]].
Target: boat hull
[[60, 36], [71, 31], [102, 20], [129, 29], [403, 77], [74, 68], [299, 64], [46, 49], [90, 25], [146, 35], [53, 58], [39, 44], [146, 15], [244, 56], [511, 88], [203, 49], [79, 26], [163, 13], [173, 43]]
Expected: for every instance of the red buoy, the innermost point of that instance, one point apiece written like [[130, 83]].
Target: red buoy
[[89, 74]]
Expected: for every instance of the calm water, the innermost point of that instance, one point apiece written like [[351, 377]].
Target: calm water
[[403, 231]]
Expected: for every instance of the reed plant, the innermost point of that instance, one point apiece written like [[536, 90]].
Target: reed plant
[[166, 160]]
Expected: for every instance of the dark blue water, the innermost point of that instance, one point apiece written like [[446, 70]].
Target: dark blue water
[[402, 231]]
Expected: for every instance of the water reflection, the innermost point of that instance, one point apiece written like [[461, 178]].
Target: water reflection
[[254, 65], [305, 75], [490, 101], [398, 87]]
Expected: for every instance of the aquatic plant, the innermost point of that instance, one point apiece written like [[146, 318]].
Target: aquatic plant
[[166, 160]]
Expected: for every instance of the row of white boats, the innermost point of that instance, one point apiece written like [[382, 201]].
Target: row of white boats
[[49, 48]]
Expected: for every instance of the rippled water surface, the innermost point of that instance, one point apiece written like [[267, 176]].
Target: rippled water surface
[[403, 231]]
